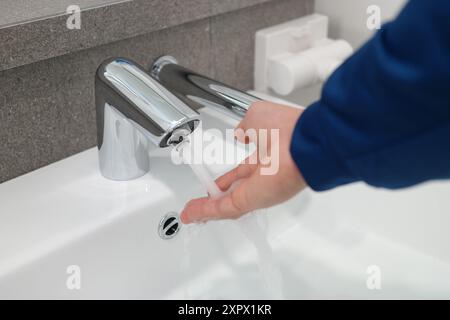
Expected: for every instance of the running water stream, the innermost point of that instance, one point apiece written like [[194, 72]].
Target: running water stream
[[251, 226]]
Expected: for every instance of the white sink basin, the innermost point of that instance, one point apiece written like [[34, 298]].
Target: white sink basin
[[67, 214]]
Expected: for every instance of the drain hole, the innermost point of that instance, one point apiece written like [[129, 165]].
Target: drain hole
[[172, 230], [169, 226], [168, 222]]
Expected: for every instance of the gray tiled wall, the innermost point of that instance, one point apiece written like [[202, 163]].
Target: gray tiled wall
[[47, 110]]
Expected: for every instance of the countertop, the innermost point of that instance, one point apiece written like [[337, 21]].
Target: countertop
[[34, 30]]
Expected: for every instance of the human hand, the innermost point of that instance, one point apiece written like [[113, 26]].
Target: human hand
[[251, 189]]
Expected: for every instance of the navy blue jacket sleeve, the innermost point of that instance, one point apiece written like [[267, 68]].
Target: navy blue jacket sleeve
[[384, 115]]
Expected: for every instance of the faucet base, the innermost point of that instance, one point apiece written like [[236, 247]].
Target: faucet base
[[123, 154]]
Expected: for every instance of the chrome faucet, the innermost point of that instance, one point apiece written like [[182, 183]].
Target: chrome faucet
[[198, 91], [135, 107], [133, 110]]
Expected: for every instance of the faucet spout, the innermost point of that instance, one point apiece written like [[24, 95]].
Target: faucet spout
[[199, 91], [135, 111]]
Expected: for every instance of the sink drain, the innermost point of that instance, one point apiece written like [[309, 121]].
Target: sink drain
[[169, 226]]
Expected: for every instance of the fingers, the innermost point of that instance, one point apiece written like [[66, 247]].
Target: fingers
[[194, 211], [244, 170], [244, 122], [241, 135], [204, 209], [241, 130], [230, 206]]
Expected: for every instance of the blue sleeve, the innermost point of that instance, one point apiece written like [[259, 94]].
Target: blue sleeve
[[384, 115]]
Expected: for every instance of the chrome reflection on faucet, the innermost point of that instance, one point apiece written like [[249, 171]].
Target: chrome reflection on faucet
[[199, 91], [136, 109], [133, 112]]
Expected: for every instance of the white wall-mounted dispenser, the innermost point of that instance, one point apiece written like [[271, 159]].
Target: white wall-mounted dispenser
[[297, 54]]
